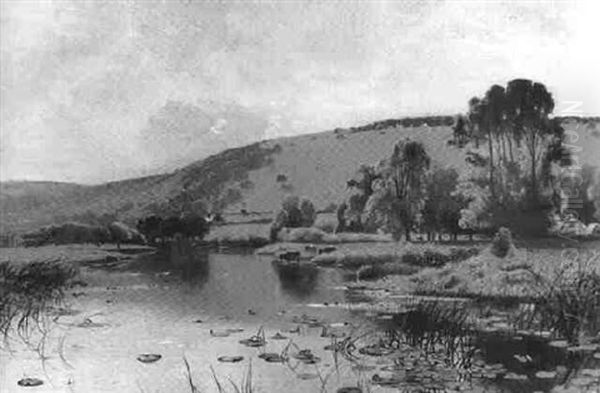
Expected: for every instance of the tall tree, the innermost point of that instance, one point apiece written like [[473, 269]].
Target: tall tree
[[408, 165], [528, 106]]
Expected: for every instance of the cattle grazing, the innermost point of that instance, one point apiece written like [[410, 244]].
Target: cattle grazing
[[290, 256]]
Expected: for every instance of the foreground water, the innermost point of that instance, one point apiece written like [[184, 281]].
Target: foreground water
[[180, 306]]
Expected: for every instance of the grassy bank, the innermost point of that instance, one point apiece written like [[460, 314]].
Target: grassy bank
[[239, 235], [70, 253]]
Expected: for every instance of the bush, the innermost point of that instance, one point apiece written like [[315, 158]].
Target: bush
[[325, 223], [502, 243], [302, 235], [308, 213], [432, 258]]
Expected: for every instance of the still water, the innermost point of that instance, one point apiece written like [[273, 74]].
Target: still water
[[180, 305]]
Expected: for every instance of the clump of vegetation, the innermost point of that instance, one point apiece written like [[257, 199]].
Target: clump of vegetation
[[433, 258], [433, 326], [294, 213], [569, 304], [502, 243], [28, 292]]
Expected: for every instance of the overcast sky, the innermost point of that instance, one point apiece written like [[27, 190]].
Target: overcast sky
[[103, 90]]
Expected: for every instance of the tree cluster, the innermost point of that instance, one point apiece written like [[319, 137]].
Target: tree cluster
[[403, 193], [516, 151], [294, 213]]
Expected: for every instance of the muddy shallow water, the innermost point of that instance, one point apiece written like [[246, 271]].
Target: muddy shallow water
[[169, 305]]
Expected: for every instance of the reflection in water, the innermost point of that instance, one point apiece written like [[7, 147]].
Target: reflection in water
[[298, 280], [192, 263]]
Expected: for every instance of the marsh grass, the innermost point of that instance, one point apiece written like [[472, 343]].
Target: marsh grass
[[244, 386], [434, 327], [28, 292], [568, 302]]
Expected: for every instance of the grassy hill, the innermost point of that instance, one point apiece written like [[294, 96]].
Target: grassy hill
[[255, 177]]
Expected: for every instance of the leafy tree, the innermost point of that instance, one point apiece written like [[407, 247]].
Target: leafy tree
[[442, 209], [407, 168], [528, 106], [589, 201], [293, 214], [308, 213], [291, 208]]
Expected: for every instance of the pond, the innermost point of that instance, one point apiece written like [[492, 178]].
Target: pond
[[196, 307]]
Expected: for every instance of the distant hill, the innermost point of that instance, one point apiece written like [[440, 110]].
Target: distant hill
[[255, 177]]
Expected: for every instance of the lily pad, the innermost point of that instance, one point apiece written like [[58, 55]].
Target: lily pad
[[88, 323], [349, 389], [559, 344], [306, 357], [516, 377], [271, 357], [30, 382], [307, 376], [375, 351], [545, 374], [230, 359], [149, 357], [220, 333], [363, 367], [253, 341], [589, 372], [386, 381]]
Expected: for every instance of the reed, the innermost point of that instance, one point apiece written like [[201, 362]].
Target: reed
[[28, 291]]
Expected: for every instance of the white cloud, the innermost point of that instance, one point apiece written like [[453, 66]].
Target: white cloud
[[80, 79]]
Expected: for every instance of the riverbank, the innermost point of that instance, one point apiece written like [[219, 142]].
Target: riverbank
[[72, 253], [488, 276]]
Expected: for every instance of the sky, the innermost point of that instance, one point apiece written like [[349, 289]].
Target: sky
[[94, 91]]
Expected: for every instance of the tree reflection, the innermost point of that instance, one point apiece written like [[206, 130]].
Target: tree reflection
[[191, 262], [297, 280]]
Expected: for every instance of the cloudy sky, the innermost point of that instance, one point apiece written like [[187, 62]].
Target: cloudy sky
[[102, 90]]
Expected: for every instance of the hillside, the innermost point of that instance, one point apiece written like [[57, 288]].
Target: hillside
[[255, 177]]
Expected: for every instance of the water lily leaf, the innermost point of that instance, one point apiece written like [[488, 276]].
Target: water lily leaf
[[230, 359], [349, 389], [30, 382], [149, 357], [307, 376]]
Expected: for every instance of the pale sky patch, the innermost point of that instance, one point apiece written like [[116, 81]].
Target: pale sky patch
[[82, 80]]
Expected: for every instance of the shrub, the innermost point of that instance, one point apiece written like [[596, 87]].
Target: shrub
[[502, 243], [432, 258], [302, 235], [308, 213], [325, 223]]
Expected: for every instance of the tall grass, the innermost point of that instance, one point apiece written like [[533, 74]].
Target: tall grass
[[244, 386], [569, 302], [28, 291], [434, 327]]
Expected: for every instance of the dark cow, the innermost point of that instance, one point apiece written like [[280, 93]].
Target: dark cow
[[327, 249], [290, 256]]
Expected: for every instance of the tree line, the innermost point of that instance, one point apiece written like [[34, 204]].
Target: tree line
[[516, 154]]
